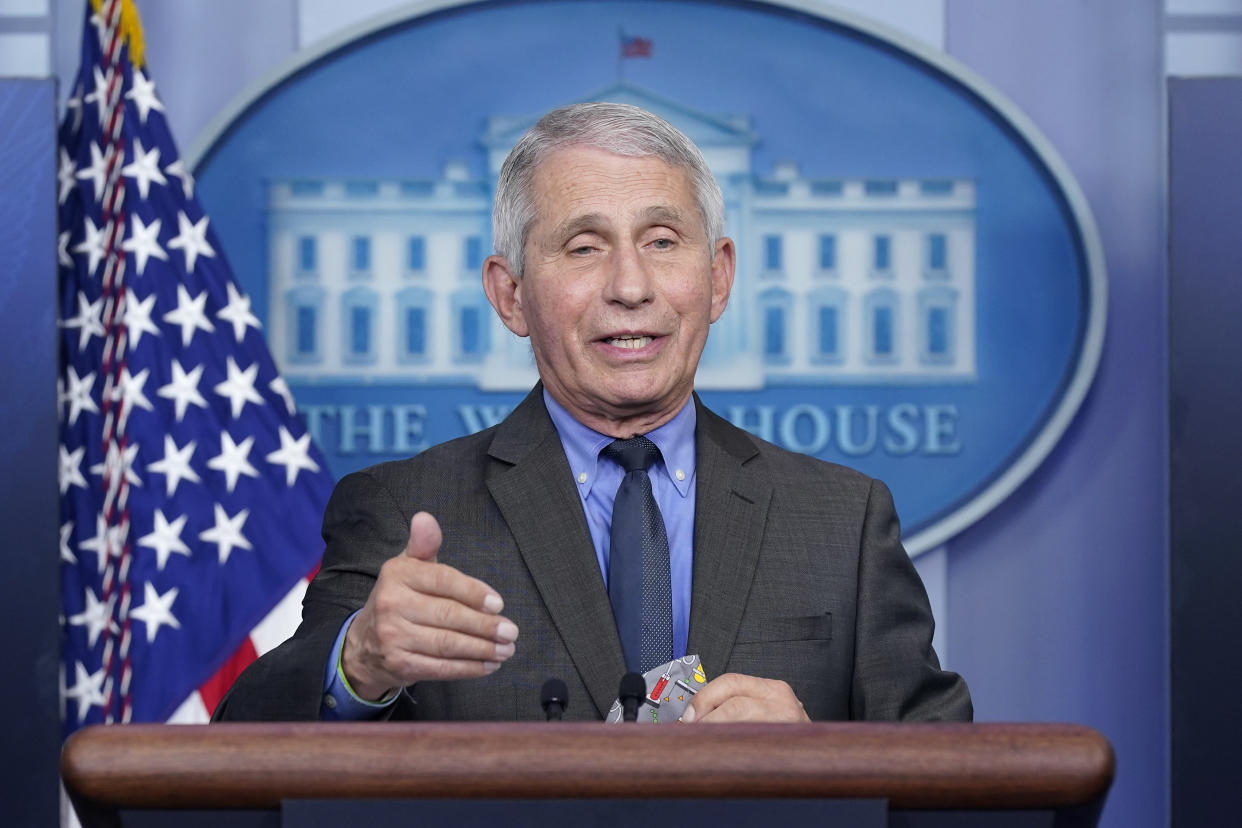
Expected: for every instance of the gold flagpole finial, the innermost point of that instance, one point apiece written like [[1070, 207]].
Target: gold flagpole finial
[[129, 29]]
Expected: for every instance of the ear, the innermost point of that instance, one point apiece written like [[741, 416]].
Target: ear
[[724, 262], [504, 290]]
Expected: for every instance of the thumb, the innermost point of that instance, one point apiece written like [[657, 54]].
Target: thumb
[[425, 537]]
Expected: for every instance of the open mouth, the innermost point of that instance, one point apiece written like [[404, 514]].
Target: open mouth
[[632, 343]]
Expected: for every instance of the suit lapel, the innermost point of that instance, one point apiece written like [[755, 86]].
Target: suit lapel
[[533, 488], [731, 506]]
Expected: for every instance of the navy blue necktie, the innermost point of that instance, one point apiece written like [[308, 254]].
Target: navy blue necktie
[[638, 570]]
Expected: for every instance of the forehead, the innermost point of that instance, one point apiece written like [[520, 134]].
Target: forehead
[[581, 180]]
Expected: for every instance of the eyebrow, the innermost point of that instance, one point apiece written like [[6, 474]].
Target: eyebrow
[[664, 215], [578, 224]]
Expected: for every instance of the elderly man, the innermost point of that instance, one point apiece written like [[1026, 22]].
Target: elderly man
[[611, 522]]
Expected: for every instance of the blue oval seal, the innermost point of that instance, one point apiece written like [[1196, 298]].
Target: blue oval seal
[[920, 293]]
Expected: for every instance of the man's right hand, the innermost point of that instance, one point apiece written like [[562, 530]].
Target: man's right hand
[[424, 621]]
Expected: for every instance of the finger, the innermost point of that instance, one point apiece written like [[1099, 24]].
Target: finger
[[429, 668], [776, 708], [742, 698], [449, 644], [444, 581], [384, 651], [452, 615], [716, 692], [425, 537], [424, 545], [737, 709]]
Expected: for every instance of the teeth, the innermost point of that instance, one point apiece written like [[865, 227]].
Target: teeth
[[631, 342]]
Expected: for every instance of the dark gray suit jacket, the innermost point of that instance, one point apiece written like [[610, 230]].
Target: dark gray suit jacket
[[799, 575]]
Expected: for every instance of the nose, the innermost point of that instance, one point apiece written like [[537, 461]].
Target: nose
[[630, 280]]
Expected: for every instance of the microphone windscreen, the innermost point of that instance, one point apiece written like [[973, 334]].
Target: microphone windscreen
[[633, 686], [554, 691]]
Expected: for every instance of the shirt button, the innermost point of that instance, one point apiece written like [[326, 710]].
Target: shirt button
[[681, 475], [329, 701], [582, 478]]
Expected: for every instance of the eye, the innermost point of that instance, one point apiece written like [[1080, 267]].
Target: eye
[[581, 250], [662, 243]]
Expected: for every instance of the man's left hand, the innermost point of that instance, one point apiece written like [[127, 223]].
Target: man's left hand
[[734, 697]]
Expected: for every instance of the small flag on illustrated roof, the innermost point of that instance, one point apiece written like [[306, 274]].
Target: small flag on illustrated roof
[[633, 46]]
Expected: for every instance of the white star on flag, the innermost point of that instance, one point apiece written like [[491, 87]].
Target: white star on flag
[[239, 387], [66, 174], [237, 311], [78, 395], [102, 81], [96, 172], [87, 321], [142, 93], [165, 539], [191, 239], [62, 249], [118, 462], [175, 465], [96, 617], [144, 242], [101, 35], [71, 468], [73, 108], [66, 554], [92, 245], [99, 543], [233, 459], [145, 168], [227, 533], [108, 542], [183, 389], [138, 318], [129, 392], [280, 387], [189, 315], [156, 610], [178, 170], [294, 455], [87, 689]]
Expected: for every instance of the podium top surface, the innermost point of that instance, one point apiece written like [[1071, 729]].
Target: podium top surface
[[911, 765]]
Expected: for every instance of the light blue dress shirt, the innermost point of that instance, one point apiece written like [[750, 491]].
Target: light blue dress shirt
[[597, 479], [672, 483]]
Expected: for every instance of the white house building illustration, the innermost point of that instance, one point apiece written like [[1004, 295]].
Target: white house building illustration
[[839, 280]]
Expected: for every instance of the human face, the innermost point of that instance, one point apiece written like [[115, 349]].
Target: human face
[[620, 285]]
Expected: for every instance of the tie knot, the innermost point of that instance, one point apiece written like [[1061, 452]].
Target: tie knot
[[634, 454]]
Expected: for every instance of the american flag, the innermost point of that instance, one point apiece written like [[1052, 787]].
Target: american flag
[[191, 492], [633, 46]]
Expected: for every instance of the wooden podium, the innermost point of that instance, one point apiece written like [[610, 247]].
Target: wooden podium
[[917, 771]]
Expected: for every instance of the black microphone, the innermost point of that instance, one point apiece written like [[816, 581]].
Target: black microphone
[[554, 698], [633, 688]]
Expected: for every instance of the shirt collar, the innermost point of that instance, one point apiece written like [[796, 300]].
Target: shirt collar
[[675, 439]]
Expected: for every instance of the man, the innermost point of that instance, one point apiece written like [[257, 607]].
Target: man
[[454, 583]]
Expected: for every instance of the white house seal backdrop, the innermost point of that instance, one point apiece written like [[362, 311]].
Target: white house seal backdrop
[[920, 292]]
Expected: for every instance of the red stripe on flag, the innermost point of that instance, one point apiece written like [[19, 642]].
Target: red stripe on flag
[[214, 688]]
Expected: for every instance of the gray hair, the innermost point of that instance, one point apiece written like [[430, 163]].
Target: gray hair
[[617, 128]]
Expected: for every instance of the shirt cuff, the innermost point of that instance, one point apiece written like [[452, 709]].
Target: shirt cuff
[[340, 702]]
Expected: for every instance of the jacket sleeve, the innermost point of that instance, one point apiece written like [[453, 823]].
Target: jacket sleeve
[[362, 527], [896, 673]]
